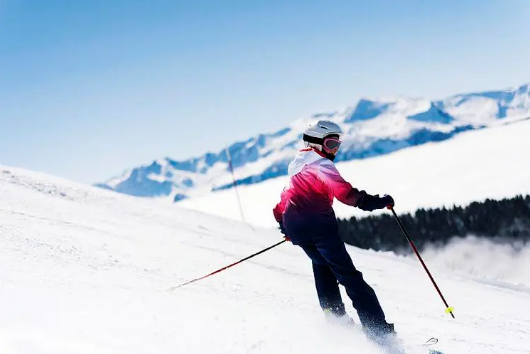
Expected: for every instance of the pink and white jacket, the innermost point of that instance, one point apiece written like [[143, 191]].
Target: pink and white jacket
[[314, 183]]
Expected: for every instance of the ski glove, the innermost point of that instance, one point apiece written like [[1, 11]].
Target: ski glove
[[282, 230], [372, 202], [387, 201]]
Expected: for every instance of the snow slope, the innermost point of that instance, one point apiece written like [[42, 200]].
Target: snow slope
[[489, 163], [84, 270], [372, 127]]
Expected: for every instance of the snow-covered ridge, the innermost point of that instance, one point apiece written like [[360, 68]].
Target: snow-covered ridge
[[373, 127]]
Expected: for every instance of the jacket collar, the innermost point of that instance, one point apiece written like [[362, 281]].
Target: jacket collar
[[315, 150]]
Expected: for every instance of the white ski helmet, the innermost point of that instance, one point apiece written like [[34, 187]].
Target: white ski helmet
[[317, 131]]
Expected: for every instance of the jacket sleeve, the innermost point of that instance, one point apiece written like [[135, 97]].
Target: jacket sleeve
[[341, 189], [344, 191], [280, 207]]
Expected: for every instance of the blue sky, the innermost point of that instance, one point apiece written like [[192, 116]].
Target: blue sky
[[91, 87]]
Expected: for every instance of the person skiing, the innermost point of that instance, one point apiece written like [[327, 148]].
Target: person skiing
[[306, 218]]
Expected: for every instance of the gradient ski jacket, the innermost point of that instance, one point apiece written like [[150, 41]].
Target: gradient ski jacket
[[314, 183]]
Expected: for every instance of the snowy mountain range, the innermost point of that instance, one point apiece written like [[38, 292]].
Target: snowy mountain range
[[472, 166], [372, 127]]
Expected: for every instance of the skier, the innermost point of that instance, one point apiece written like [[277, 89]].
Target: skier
[[307, 219]]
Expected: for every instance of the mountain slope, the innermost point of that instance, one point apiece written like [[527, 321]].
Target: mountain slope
[[373, 127], [83, 270], [473, 166]]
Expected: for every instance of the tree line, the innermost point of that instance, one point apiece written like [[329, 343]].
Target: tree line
[[507, 219]]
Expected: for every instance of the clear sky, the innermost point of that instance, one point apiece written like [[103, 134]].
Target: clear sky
[[91, 87]]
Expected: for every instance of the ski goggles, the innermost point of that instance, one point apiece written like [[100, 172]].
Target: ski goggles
[[331, 145]]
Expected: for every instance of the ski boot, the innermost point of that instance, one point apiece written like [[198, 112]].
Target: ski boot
[[338, 318], [385, 337]]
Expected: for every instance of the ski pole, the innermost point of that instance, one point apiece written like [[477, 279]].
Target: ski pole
[[448, 309], [231, 167], [228, 266]]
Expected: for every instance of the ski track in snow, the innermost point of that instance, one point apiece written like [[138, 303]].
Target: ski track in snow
[[84, 270]]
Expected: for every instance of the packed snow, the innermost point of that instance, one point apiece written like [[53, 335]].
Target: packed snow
[[85, 270], [489, 163]]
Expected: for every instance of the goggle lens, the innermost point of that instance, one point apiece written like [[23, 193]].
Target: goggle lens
[[332, 144]]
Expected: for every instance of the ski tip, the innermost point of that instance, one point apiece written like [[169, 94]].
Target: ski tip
[[431, 341]]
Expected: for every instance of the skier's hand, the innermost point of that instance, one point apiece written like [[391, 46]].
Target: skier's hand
[[387, 201], [282, 230]]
